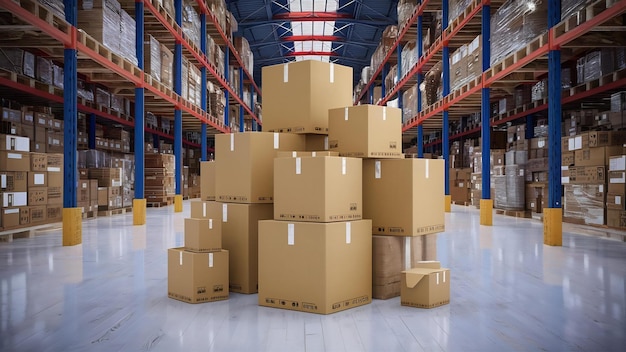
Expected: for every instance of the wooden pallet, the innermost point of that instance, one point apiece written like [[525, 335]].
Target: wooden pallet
[[112, 212], [93, 214], [25, 232], [465, 204], [514, 213], [159, 204], [89, 42]]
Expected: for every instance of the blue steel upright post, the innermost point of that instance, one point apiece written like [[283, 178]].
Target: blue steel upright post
[[420, 52], [178, 114], [139, 202], [553, 216], [486, 203], [203, 97], [445, 133], [72, 215]]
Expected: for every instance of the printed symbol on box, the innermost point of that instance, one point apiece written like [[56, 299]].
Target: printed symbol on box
[[353, 207], [283, 303], [201, 290], [336, 305], [294, 304], [218, 288], [270, 301]]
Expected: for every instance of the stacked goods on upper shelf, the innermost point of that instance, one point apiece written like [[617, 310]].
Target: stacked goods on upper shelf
[[216, 99], [496, 160], [509, 175], [432, 85], [224, 18], [159, 177], [409, 103], [515, 24], [243, 48], [108, 23], [457, 7], [191, 23], [115, 177], [466, 63], [386, 43]]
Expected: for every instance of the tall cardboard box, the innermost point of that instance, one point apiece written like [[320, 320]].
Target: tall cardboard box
[[393, 254], [245, 164], [240, 224], [298, 95], [197, 277], [203, 235], [38, 196], [331, 187], [404, 197], [425, 286], [366, 131], [315, 267], [207, 180]]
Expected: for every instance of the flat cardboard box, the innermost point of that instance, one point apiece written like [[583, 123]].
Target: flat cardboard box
[[14, 143], [14, 161], [597, 156], [203, 209], [197, 277], [13, 181], [37, 196], [391, 255], [38, 214], [207, 180], [316, 142], [427, 285], [298, 95], [10, 217], [38, 179], [315, 267], [240, 223], [203, 235], [245, 164], [13, 199], [318, 189], [404, 197], [366, 131], [587, 174]]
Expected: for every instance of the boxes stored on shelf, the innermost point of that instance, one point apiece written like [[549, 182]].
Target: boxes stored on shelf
[[415, 190], [38, 179], [318, 189], [391, 255], [109, 198], [585, 203], [37, 214], [203, 235], [101, 20], [24, 216], [207, 180], [616, 218], [474, 58], [366, 131], [587, 174], [197, 277], [245, 164], [240, 237], [37, 195], [598, 156], [427, 285], [107, 177], [13, 181], [617, 162], [83, 195], [14, 143], [38, 162], [10, 217], [298, 95], [458, 67], [167, 64], [315, 267], [14, 161]]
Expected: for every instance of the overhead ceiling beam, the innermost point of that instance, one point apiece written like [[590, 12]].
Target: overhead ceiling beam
[[318, 38], [314, 53], [312, 16], [377, 23]]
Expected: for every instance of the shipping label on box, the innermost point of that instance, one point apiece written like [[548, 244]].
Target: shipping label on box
[[14, 199], [14, 143], [617, 163]]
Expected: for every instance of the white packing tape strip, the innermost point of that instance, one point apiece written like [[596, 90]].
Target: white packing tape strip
[[346, 114], [348, 232], [286, 73], [325, 142], [224, 212], [232, 142], [377, 169], [313, 154], [298, 166], [210, 224], [384, 113], [276, 141], [427, 168], [332, 73], [344, 166], [294, 154], [444, 276], [437, 278], [290, 234], [204, 210], [210, 260], [180, 258]]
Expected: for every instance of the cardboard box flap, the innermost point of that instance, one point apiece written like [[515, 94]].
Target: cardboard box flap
[[413, 277], [428, 264]]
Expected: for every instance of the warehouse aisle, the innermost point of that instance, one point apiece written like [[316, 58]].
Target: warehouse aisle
[[509, 292]]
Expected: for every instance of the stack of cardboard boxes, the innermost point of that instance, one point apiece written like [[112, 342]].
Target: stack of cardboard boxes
[[159, 177], [31, 184]]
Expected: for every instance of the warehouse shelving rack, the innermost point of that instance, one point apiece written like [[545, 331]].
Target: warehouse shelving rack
[[62, 40], [544, 54]]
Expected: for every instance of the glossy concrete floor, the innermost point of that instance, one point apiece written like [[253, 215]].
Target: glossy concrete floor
[[509, 292]]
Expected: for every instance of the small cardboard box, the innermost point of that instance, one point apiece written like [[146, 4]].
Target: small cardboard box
[[10, 217], [38, 162], [315, 267], [197, 277], [366, 131], [14, 161], [38, 214], [24, 216], [207, 180], [38, 196], [425, 286], [203, 235], [202, 209], [38, 179], [13, 181], [318, 189]]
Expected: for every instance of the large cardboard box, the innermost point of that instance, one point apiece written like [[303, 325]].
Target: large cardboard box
[[207, 180], [391, 255], [366, 131], [587, 174], [316, 142], [10, 217], [197, 277], [404, 197], [13, 181], [315, 267], [425, 286], [598, 156], [245, 164], [54, 213], [109, 198], [13, 199], [14, 143], [298, 95], [14, 161], [240, 224], [617, 163], [203, 235], [38, 179], [318, 189]]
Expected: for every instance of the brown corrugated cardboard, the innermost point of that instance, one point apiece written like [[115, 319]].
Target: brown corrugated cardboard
[[83, 191], [404, 197], [37, 196], [316, 142], [203, 235], [606, 138], [14, 143], [207, 180], [598, 156], [245, 164], [55, 213], [298, 95], [587, 174], [14, 161], [425, 286], [109, 198], [197, 277], [38, 162], [55, 185], [240, 238], [570, 144], [38, 179], [305, 154], [14, 199], [202, 209], [13, 181], [38, 214], [24, 216], [615, 201], [366, 131], [10, 217], [318, 189], [391, 255], [567, 158], [315, 267], [616, 218], [93, 192]]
